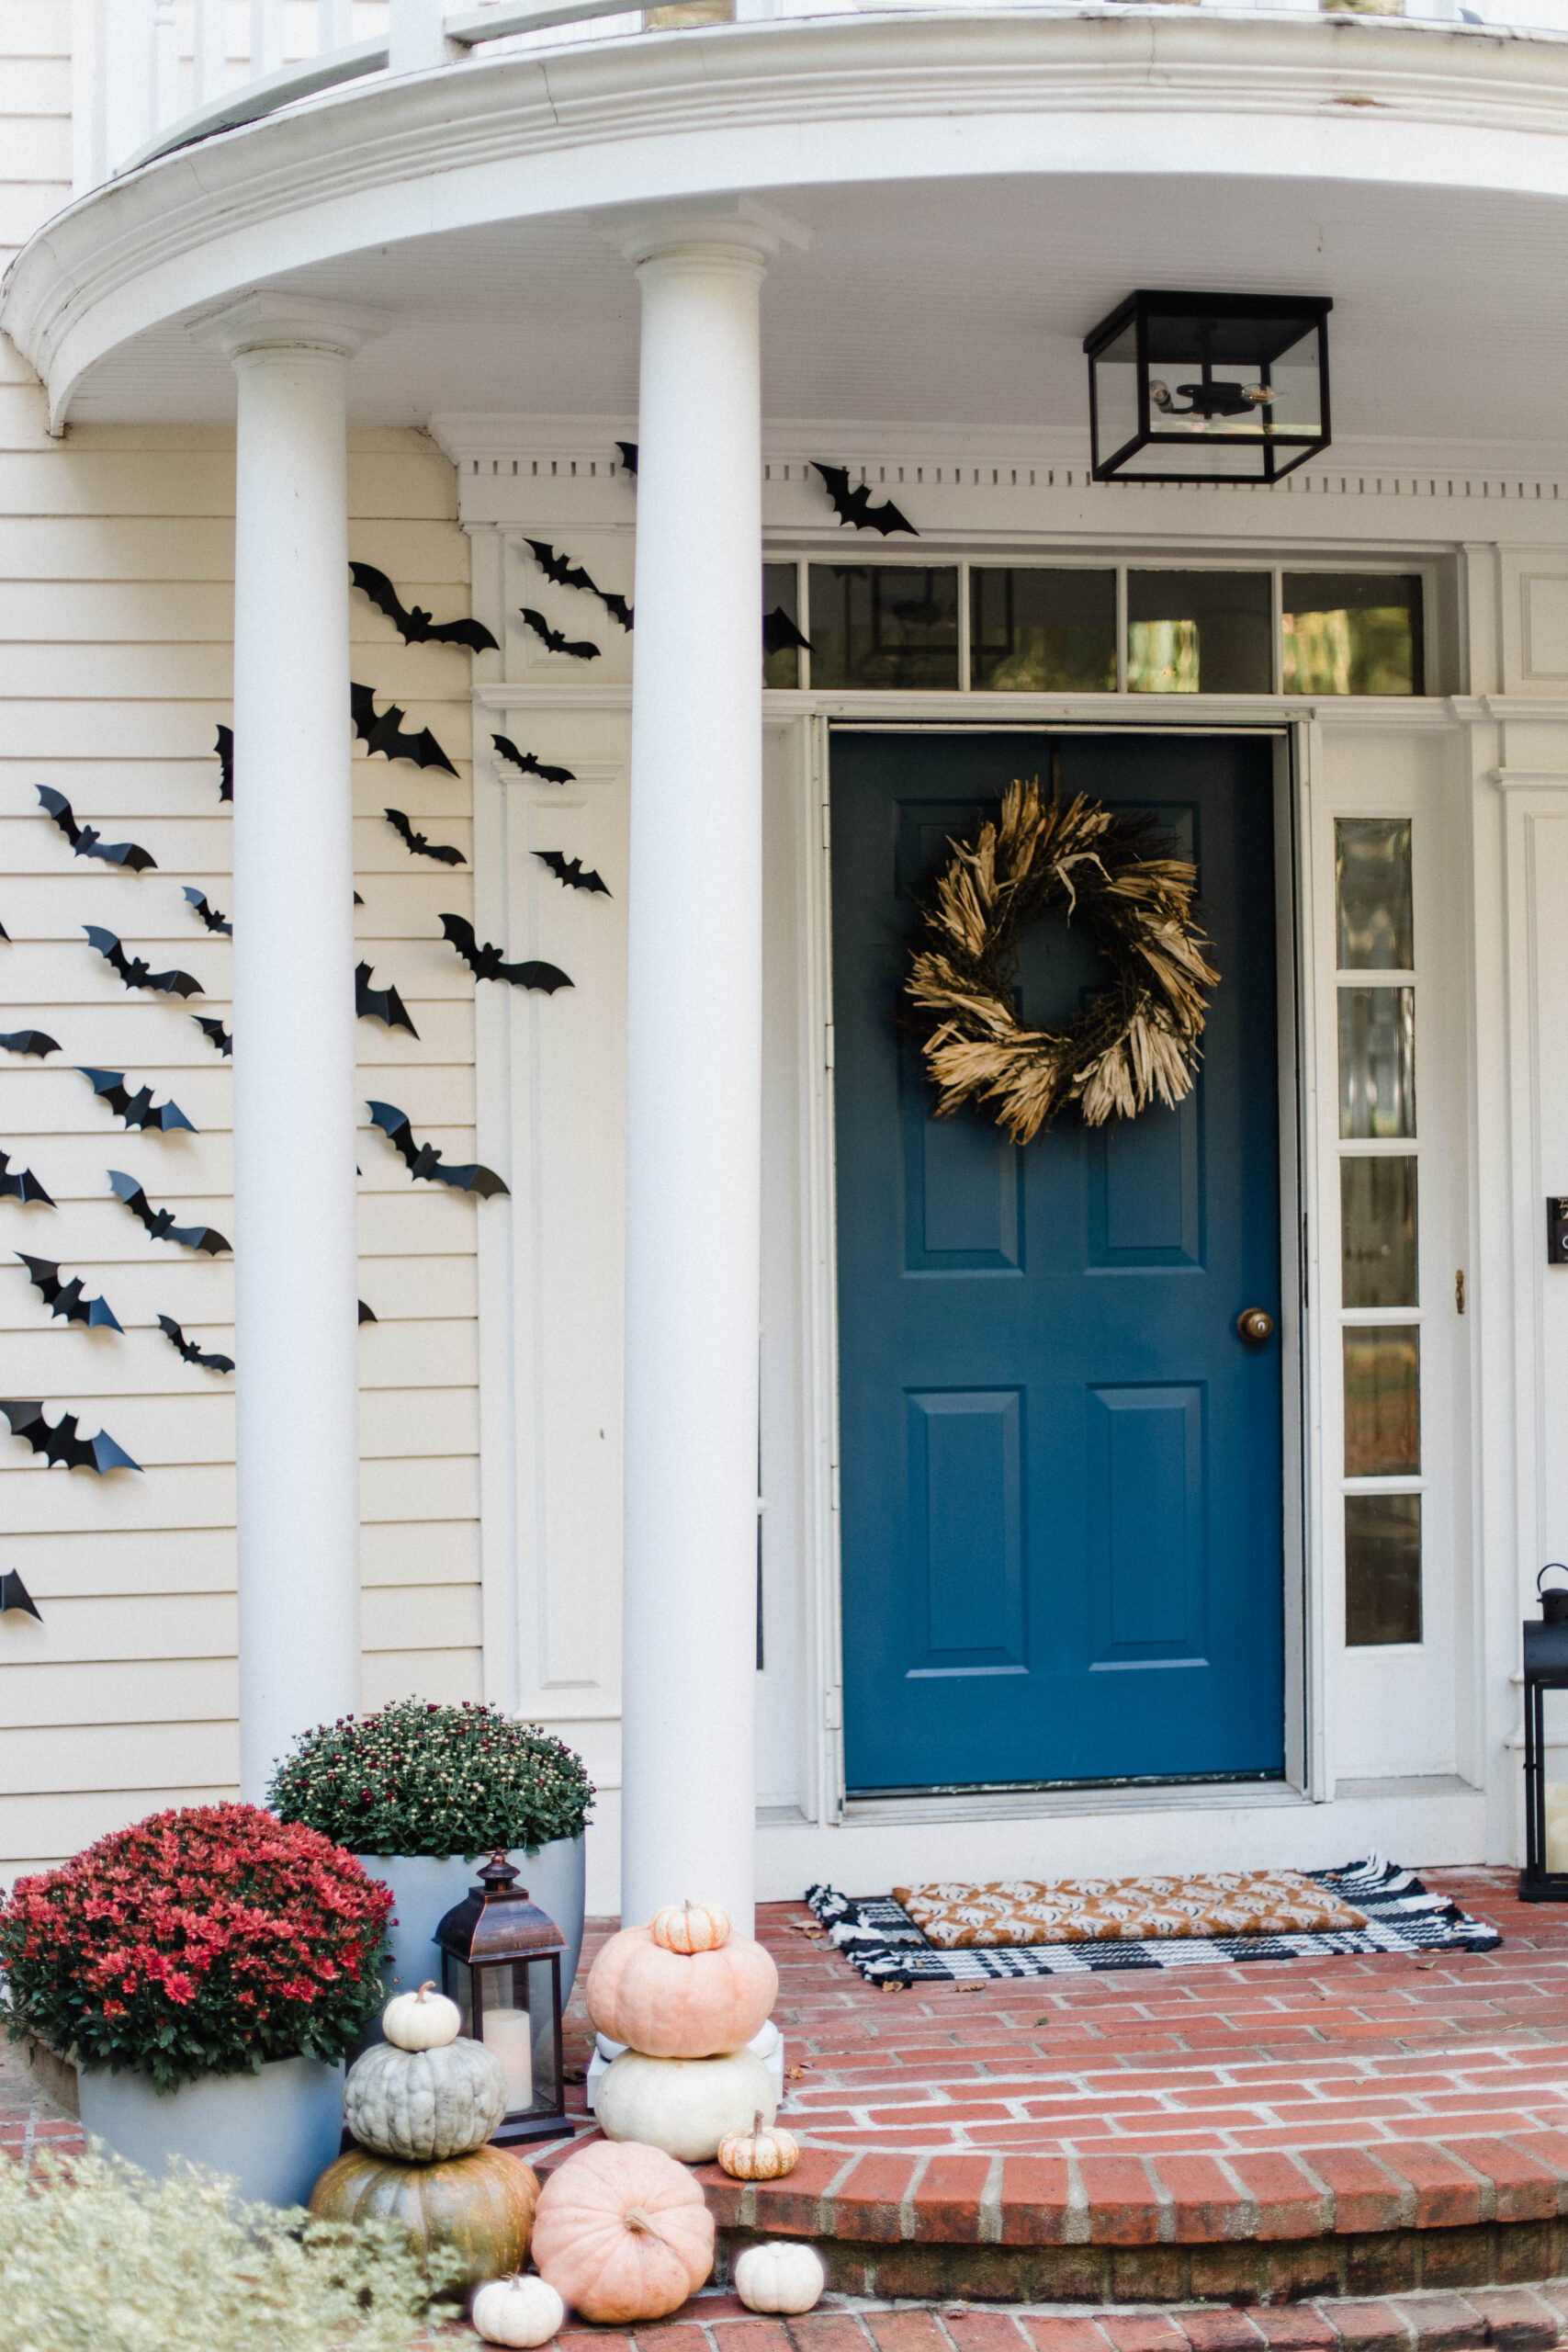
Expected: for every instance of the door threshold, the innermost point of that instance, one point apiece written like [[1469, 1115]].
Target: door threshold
[[1016, 1805]]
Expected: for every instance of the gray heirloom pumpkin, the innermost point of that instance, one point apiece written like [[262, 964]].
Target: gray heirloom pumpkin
[[422, 2105]]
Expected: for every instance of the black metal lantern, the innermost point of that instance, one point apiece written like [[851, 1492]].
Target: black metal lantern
[[1209, 387], [500, 1963], [1544, 1878]]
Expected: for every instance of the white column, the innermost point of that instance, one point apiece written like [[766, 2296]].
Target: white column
[[694, 1081], [295, 1093]]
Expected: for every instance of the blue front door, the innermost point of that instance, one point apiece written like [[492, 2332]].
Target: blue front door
[[1060, 1465]]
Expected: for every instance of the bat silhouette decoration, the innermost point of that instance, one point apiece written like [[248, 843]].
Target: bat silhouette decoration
[[530, 764], [14, 1594], [414, 627], [569, 871], [136, 1110], [367, 1313], [556, 640], [160, 1223], [485, 963], [224, 747], [134, 972], [213, 917], [629, 457], [65, 1298], [5, 934], [383, 732], [20, 1185], [189, 1349], [30, 1041], [780, 635], [420, 844], [61, 1444], [87, 843], [215, 1034], [561, 573], [425, 1160], [379, 1004], [855, 506]]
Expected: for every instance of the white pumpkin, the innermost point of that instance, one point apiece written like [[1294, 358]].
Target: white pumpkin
[[685, 2106], [517, 2311], [780, 2275], [417, 2021], [423, 2105]]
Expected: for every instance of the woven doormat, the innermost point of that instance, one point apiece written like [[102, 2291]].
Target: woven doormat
[[877, 1935]]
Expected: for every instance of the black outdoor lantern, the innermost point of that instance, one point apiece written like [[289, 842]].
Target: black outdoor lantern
[[1209, 387], [500, 1963], [1544, 1878]]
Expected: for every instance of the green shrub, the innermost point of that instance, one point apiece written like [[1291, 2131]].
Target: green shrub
[[96, 2256]]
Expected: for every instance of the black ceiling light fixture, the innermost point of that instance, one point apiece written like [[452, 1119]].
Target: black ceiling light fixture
[[1209, 387]]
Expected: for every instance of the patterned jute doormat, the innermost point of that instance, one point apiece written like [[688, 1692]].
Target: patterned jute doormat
[[954, 1934]]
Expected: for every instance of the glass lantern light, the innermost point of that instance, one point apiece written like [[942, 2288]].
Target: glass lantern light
[[1544, 1878], [1208, 387], [500, 1963]]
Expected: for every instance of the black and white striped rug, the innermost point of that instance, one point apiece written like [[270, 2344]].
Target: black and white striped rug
[[878, 1937]]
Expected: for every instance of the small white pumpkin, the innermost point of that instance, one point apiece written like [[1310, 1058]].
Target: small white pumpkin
[[517, 2311], [415, 2021], [685, 2106], [759, 2154], [422, 2105], [689, 1928], [780, 2275]]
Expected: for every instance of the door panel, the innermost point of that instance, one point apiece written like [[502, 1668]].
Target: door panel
[[1060, 1467]]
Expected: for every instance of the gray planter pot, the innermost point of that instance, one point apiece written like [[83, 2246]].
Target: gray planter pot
[[274, 2133], [426, 1886]]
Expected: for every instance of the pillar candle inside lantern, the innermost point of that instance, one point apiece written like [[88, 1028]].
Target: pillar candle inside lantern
[[509, 2033], [1557, 1825]]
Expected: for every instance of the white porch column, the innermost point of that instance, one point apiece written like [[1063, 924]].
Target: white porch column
[[295, 1097], [694, 1079]]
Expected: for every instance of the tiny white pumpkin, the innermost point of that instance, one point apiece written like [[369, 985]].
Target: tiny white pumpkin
[[779, 2276], [415, 2021], [759, 2154], [517, 2311], [689, 1928]]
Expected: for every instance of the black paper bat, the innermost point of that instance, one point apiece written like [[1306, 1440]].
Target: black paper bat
[[379, 1004], [215, 1034], [530, 764], [780, 635], [30, 1041], [383, 732], [555, 641], [134, 972], [137, 1110], [561, 573], [189, 1349], [87, 843], [5, 934], [160, 1223], [61, 1442], [22, 1186], [14, 1594], [423, 1158], [367, 1314], [65, 1298], [569, 871], [486, 964], [420, 844], [629, 457], [416, 627], [224, 747], [855, 506], [213, 917]]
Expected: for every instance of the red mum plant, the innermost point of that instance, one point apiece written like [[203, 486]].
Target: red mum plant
[[204, 1941]]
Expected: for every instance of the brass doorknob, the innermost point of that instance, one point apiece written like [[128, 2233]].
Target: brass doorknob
[[1255, 1325]]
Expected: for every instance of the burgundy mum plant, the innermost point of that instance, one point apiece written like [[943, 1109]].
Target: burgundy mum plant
[[203, 1941]]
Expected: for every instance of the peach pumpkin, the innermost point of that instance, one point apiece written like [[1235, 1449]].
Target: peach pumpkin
[[680, 2005], [622, 2233]]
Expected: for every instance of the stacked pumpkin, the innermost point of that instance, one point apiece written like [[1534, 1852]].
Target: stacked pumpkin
[[421, 2107]]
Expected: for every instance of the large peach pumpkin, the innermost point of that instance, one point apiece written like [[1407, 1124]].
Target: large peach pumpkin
[[680, 2005], [622, 2233]]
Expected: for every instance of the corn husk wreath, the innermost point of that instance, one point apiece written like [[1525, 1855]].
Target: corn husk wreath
[[1136, 1041]]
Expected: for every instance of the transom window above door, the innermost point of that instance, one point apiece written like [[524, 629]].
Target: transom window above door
[[1085, 628]]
